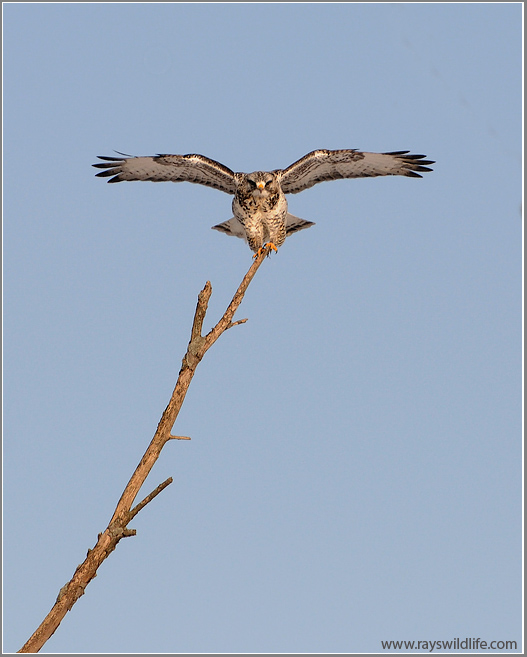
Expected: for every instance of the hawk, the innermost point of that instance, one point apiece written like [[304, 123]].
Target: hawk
[[259, 205]]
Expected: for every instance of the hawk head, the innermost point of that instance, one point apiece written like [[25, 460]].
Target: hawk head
[[259, 184]]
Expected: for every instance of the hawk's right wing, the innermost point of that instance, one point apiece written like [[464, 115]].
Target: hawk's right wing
[[175, 168]]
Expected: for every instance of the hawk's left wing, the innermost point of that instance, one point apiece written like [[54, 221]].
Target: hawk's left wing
[[322, 165], [175, 168]]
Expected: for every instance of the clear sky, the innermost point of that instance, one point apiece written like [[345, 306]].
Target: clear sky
[[355, 468]]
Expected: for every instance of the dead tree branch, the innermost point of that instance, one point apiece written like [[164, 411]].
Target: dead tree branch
[[123, 514]]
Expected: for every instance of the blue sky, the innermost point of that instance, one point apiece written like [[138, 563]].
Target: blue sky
[[354, 473]]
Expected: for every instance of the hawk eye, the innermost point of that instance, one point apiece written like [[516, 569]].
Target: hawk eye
[[268, 182], [252, 184]]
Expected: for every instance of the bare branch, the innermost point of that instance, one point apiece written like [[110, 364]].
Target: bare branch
[[117, 528], [226, 320], [240, 321], [150, 497], [201, 311]]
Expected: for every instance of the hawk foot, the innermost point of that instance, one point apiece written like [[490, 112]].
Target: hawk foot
[[269, 246]]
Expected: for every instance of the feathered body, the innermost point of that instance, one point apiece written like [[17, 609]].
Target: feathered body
[[260, 206]]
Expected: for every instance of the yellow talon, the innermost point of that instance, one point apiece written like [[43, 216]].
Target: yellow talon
[[269, 246]]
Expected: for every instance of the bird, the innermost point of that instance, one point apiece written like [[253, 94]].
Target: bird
[[259, 206]]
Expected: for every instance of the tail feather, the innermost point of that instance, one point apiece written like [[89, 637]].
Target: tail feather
[[294, 224], [234, 227]]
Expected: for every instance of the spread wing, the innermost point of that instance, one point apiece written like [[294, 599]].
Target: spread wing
[[322, 165], [175, 168]]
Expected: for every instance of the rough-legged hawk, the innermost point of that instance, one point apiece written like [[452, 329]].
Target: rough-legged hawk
[[259, 205]]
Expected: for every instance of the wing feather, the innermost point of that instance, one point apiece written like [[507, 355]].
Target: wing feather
[[319, 166], [175, 168]]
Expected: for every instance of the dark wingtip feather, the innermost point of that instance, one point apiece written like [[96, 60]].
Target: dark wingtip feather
[[404, 155], [422, 169], [105, 174], [414, 161], [110, 159]]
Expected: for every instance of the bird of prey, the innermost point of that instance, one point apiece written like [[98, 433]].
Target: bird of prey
[[259, 205]]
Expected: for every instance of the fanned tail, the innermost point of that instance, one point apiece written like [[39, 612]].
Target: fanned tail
[[234, 227]]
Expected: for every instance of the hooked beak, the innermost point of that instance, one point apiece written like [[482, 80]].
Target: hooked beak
[[260, 185]]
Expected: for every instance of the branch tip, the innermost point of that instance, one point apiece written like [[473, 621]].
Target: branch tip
[[147, 499], [201, 311], [206, 291], [240, 321]]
